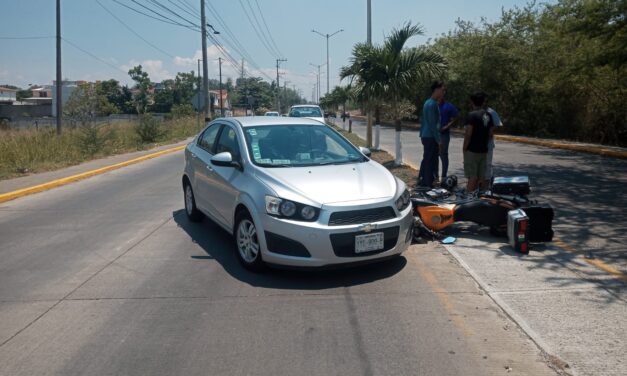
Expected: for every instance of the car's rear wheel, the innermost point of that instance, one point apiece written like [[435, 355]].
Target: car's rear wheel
[[191, 210], [247, 243]]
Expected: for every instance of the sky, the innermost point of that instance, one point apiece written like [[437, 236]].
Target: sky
[[97, 46]]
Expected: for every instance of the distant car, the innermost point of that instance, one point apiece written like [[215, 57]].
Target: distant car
[[307, 111], [271, 113], [295, 192]]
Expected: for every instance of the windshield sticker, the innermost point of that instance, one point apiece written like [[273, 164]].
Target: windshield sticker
[[265, 161], [281, 161], [303, 156], [252, 132], [256, 151]]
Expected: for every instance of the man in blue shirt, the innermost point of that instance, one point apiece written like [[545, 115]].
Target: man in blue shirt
[[448, 116], [430, 135]]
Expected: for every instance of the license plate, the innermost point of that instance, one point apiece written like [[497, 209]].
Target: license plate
[[368, 242]]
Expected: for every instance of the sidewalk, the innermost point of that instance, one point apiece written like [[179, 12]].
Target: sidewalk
[[562, 300], [604, 150]]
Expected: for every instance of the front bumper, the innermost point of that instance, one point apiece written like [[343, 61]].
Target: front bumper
[[334, 245]]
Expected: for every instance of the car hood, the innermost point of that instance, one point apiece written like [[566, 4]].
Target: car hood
[[331, 184]]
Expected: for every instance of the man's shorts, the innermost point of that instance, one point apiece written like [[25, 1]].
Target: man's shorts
[[474, 164]]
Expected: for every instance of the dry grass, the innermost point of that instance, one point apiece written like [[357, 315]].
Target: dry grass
[[29, 151], [406, 173]]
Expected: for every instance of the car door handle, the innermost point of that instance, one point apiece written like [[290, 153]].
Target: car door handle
[[193, 155], [209, 168]]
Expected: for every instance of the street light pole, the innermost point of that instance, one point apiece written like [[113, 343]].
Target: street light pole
[[205, 74], [59, 94], [198, 111], [327, 36], [221, 100], [369, 112], [318, 77]]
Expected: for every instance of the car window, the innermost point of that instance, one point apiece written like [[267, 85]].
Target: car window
[[208, 137], [299, 145], [305, 112], [228, 142]]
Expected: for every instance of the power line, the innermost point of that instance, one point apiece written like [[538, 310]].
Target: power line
[[255, 28], [263, 33], [267, 28], [236, 45], [34, 37], [133, 31], [93, 56], [175, 14], [157, 13], [182, 8], [148, 15]]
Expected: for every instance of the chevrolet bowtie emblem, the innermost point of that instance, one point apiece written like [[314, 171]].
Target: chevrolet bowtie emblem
[[367, 228]]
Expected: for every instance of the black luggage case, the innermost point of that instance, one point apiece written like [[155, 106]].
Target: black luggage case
[[540, 222], [511, 185]]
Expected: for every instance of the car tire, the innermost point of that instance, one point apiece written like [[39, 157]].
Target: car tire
[[191, 210], [247, 246]]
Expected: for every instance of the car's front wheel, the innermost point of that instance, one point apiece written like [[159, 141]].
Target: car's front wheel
[[191, 210], [247, 243]]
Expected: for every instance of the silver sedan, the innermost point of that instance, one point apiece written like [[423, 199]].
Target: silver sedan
[[294, 192]]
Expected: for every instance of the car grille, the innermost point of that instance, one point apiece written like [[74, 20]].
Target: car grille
[[356, 217], [344, 244]]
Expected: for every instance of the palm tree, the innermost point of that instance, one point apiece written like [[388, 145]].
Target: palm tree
[[390, 72]]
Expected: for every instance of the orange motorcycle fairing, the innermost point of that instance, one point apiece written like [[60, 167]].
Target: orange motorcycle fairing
[[437, 217]]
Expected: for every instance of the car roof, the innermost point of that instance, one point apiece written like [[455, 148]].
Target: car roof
[[257, 121], [305, 105]]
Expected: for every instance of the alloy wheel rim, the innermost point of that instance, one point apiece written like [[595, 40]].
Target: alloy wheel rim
[[247, 242], [189, 199]]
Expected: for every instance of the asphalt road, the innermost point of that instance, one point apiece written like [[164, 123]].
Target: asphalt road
[[586, 190], [106, 276]]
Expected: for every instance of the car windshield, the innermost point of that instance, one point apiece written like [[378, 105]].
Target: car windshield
[[299, 145], [305, 112]]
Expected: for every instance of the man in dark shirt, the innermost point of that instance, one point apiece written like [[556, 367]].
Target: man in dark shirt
[[479, 130]]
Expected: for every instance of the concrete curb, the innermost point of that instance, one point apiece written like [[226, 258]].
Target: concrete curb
[[70, 179], [582, 148]]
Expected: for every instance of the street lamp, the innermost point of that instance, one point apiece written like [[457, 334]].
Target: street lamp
[[318, 80], [327, 36]]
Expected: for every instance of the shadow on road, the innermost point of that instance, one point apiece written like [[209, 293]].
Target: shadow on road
[[218, 245]]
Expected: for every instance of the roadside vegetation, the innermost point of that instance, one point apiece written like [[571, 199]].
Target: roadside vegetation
[[551, 70], [30, 151]]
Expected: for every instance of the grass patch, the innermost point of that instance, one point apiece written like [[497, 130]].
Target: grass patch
[[30, 151], [406, 173]]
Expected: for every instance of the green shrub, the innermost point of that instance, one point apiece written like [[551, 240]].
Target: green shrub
[[148, 129], [91, 138]]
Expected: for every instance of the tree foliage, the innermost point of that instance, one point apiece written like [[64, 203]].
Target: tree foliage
[[550, 70]]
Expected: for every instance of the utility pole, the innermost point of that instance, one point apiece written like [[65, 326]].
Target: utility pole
[[242, 73], [59, 76], [221, 104], [369, 112], [205, 74], [198, 111], [278, 86], [327, 36]]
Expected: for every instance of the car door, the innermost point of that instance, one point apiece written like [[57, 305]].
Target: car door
[[203, 169], [227, 178]]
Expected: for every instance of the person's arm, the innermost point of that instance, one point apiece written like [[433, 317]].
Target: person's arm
[[450, 123], [434, 119], [467, 136]]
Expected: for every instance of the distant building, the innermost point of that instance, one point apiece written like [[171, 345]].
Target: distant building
[[215, 99], [67, 88], [7, 96]]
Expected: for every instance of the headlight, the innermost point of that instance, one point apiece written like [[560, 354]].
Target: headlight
[[288, 209], [403, 201], [308, 213]]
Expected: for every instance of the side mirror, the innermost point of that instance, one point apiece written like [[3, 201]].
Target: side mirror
[[225, 159], [365, 151]]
